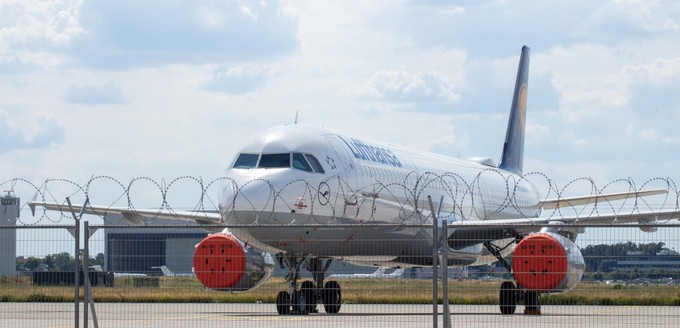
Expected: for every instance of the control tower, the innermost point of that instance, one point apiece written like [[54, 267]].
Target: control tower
[[9, 212]]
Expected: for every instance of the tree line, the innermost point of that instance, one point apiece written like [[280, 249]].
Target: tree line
[[54, 262]]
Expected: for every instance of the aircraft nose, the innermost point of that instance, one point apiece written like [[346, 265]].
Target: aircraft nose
[[244, 202]]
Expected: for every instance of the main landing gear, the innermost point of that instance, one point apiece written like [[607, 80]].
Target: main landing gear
[[303, 301], [510, 293]]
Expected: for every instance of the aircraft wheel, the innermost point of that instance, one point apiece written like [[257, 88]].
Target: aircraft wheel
[[307, 290], [332, 297], [303, 298], [283, 303], [508, 300], [532, 303]]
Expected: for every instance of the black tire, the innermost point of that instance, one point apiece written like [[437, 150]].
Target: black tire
[[508, 300], [307, 289], [532, 301], [332, 297], [301, 305], [283, 303]]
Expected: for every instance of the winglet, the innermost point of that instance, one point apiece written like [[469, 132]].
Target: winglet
[[513, 150], [31, 204]]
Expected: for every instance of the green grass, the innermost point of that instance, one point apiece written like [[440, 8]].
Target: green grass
[[356, 291]]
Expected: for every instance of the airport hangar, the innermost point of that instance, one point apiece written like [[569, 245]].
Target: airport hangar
[[137, 250]]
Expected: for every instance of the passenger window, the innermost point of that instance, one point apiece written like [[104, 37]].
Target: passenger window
[[315, 163], [275, 160], [246, 161], [300, 163]]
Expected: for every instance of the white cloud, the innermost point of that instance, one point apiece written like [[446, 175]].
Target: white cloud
[[590, 97], [652, 16], [630, 129], [28, 23], [428, 74], [403, 86], [237, 79], [537, 131], [574, 140], [33, 33], [633, 18], [659, 71], [209, 16], [102, 94], [44, 132], [454, 10], [124, 34], [649, 134]]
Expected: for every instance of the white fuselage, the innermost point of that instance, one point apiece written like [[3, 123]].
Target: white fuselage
[[362, 201]]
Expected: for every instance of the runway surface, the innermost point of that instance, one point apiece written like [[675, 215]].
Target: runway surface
[[392, 316]]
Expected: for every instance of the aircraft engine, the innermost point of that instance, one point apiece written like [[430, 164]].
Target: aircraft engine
[[548, 263], [222, 262]]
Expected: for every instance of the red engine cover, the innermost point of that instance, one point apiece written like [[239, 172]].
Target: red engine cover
[[219, 261], [539, 262]]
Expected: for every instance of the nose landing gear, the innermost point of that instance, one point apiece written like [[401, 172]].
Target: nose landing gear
[[303, 301], [510, 294]]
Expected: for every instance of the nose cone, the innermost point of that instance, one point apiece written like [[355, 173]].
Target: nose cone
[[243, 199], [265, 196]]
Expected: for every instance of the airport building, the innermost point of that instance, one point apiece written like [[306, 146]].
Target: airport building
[[138, 249], [666, 260], [9, 212]]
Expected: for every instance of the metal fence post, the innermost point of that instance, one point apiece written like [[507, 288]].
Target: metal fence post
[[435, 255], [446, 320], [76, 270], [88, 301], [86, 287]]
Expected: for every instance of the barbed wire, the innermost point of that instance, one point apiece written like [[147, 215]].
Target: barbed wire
[[335, 200]]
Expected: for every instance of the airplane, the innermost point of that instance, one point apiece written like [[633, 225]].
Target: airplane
[[380, 273], [168, 273], [98, 268], [299, 194]]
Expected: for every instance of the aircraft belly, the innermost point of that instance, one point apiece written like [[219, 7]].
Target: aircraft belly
[[350, 239], [360, 244]]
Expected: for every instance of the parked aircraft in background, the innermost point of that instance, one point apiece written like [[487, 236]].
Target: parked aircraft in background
[[380, 273], [98, 268], [168, 273], [299, 194]]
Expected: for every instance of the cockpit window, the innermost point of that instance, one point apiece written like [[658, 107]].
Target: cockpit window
[[246, 161], [315, 163], [304, 162], [274, 160], [300, 163]]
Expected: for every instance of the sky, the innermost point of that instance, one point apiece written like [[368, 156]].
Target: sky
[[165, 89]]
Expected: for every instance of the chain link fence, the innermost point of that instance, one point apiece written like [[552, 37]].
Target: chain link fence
[[632, 278], [158, 272]]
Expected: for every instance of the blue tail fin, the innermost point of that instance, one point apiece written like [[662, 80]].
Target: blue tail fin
[[513, 149]]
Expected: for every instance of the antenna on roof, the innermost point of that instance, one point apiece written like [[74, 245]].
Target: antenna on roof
[[296, 116]]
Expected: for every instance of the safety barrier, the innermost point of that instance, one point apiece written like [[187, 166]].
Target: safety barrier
[[632, 278], [164, 272]]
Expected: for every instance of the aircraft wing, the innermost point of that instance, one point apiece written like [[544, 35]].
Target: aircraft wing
[[470, 232], [131, 215], [595, 219], [595, 199]]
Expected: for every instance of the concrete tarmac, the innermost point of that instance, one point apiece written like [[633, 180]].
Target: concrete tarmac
[[170, 315]]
